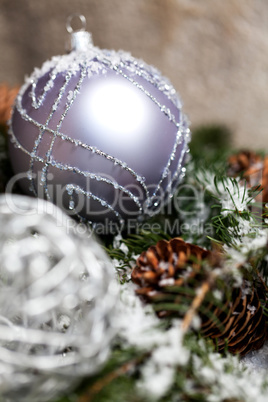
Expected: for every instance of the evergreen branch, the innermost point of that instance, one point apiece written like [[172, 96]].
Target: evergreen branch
[[103, 382], [201, 293]]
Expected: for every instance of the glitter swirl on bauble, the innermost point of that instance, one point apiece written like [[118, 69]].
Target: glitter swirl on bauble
[[100, 134]]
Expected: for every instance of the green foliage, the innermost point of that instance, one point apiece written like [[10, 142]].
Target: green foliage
[[210, 143], [115, 382]]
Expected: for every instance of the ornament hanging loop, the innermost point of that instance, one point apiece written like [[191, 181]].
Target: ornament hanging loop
[[70, 20], [81, 40]]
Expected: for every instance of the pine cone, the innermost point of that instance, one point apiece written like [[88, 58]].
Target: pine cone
[[253, 168], [245, 162], [168, 275], [7, 97]]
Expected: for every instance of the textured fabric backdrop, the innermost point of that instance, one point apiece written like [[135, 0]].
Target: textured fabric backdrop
[[215, 52]]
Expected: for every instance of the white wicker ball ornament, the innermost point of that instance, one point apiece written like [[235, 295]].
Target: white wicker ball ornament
[[100, 133], [57, 301]]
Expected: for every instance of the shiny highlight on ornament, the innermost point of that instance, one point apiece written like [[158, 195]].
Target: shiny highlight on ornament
[[122, 106], [106, 127]]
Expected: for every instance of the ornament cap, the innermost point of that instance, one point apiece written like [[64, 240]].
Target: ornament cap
[[81, 40]]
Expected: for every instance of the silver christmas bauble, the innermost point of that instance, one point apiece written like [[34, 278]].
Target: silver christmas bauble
[[100, 133], [57, 301]]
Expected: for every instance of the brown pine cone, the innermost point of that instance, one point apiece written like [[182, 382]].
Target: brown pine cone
[[242, 326], [171, 274], [253, 168], [7, 98], [245, 162], [165, 264]]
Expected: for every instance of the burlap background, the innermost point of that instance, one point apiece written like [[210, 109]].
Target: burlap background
[[214, 51]]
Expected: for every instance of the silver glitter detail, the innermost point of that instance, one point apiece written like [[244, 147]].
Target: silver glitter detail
[[95, 61], [90, 195]]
